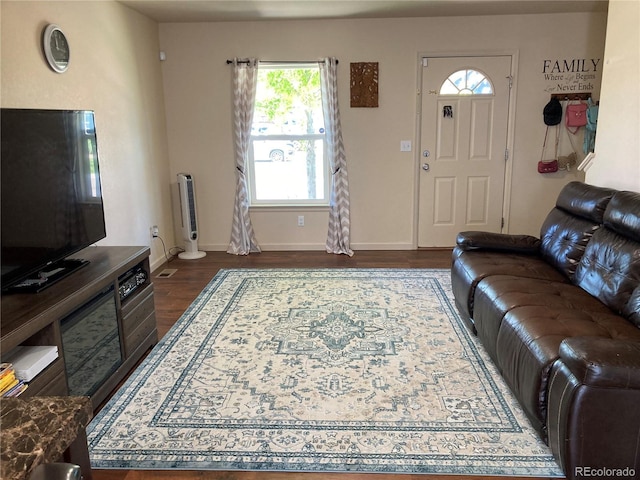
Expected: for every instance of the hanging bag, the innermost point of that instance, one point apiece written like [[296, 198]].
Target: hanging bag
[[576, 116], [549, 166], [552, 112], [589, 144], [552, 116], [568, 161]]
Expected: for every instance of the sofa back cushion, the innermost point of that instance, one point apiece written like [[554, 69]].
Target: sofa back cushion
[[632, 310], [578, 213], [610, 267]]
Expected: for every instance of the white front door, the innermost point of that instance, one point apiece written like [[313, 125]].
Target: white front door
[[463, 146]]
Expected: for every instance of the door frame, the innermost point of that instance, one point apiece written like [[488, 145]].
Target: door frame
[[508, 171]]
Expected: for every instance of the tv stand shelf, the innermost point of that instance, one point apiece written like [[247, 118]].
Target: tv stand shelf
[[39, 318]]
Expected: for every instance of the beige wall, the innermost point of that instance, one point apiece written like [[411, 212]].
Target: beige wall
[[617, 162], [114, 70], [382, 179]]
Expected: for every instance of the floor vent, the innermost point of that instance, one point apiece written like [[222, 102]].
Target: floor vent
[[167, 272]]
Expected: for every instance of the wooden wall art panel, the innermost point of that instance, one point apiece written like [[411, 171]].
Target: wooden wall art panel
[[364, 84]]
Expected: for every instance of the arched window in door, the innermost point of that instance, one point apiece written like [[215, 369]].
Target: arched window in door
[[466, 82]]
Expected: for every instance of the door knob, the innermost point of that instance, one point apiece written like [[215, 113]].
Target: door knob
[[425, 167]]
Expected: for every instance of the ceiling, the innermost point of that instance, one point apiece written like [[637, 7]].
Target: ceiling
[[165, 11]]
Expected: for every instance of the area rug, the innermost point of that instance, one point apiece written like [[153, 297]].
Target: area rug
[[341, 370]]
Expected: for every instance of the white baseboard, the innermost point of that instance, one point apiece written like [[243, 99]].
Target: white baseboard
[[382, 246], [267, 247], [157, 263], [276, 247]]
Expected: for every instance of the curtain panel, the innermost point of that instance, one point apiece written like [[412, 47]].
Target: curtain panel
[[338, 236], [245, 76]]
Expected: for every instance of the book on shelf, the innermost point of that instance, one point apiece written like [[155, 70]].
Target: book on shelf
[[29, 360], [17, 389], [6, 370], [9, 384]]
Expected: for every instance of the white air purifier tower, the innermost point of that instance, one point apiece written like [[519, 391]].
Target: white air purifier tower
[[187, 194]]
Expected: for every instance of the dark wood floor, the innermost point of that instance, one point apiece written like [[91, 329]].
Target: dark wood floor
[[174, 294]]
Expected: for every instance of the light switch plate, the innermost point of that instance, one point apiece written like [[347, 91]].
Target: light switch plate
[[405, 145]]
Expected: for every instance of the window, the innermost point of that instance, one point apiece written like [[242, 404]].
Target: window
[[466, 82], [90, 183], [87, 176], [287, 162]]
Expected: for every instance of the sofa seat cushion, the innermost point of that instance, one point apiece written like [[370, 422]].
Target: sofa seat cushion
[[498, 294], [529, 341], [469, 268]]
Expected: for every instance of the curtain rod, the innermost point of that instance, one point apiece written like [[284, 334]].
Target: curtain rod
[[279, 62]]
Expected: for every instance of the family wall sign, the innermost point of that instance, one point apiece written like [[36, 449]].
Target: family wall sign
[[571, 75]]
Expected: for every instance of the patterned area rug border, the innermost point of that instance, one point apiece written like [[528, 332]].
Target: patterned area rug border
[[289, 331]]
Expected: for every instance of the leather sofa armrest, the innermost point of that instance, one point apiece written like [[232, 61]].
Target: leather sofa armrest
[[474, 240], [603, 362]]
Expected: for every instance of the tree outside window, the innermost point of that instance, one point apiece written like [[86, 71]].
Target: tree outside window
[[287, 164]]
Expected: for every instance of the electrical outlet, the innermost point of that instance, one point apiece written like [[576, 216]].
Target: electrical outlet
[[301, 220], [154, 231]]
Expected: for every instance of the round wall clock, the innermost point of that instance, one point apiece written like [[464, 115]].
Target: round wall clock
[[56, 48]]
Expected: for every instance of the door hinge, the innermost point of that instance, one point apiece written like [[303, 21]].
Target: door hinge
[[502, 223], [510, 78], [506, 155], [425, 62]]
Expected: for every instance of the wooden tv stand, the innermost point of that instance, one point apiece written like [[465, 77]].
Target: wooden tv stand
[[36, 318]]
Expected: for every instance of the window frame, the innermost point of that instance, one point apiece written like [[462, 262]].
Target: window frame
[[466, 91], [293, 138]]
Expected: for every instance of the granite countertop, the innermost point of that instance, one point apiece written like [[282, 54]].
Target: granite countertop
[[36, 430]]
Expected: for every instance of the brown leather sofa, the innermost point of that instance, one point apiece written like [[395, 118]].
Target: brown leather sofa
[[560, 317]]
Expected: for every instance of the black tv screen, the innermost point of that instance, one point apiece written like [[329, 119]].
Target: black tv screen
[[51, 195]]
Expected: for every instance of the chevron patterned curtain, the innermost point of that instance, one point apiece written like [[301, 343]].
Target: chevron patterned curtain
[[245, 75], [338, 237]]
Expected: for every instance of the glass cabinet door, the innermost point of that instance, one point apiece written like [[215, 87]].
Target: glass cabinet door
[[91, 344]]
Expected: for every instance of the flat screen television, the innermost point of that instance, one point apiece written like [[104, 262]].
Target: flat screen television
[[51, 195]]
